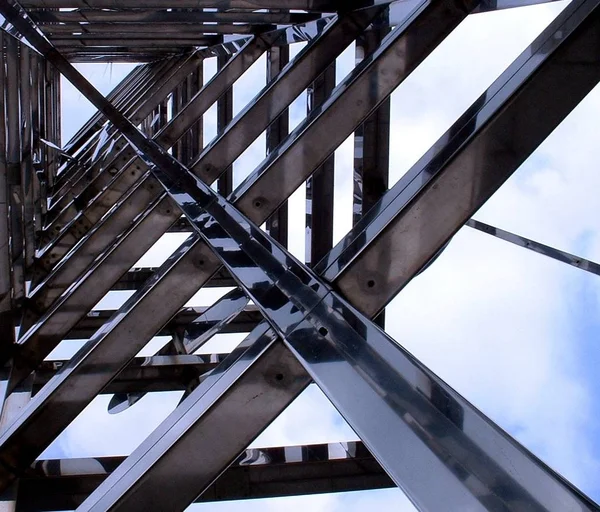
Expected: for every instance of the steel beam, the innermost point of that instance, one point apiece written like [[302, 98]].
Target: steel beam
[[222, 152], [319, 186], [417, 217], [277, 59], [302, 5], [135, 278], [95, 319], [532, 245], [142, 374], [7, 331], [473, 463], [257, 473], [64, 314], [125, 168], [413, 403]]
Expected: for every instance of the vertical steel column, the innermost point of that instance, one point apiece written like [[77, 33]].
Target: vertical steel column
[[49, 128], [371, 141], [38, 170], [193, 138], [14, 163], [224, 117], [27, 175], [277, 59], [319, 187], [7, 331]]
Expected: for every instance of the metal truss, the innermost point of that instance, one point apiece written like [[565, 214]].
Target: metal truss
[[75, 218]]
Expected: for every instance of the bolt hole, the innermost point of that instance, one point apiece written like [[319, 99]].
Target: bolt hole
[[168, 211], [370, 283], [257, 203], [279, 377], [200, 262], [323, 331]]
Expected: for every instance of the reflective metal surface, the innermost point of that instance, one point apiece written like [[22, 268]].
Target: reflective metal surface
[[81, 215]]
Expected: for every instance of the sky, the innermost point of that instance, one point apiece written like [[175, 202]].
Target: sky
[[512, 331]]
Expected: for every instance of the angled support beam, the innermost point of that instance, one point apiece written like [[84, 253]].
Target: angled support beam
[[473, 463], [532, 245], [142, 101], [125, 168], [36, 347], [418, 216], [278, 94], [248, 125], [415, 401], [65, 312], [136, 277], [95, 122]]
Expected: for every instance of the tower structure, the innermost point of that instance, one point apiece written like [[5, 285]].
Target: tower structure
[[76, 217]]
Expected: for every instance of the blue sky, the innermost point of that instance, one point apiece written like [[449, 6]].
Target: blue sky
[[513, 331]]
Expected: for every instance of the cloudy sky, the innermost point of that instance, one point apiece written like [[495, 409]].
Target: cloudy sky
[[512, 331]]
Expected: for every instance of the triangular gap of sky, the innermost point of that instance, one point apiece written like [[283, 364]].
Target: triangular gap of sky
[[511, 330]]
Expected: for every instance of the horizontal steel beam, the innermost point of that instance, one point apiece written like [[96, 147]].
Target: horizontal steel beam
[[160, 17], [105, 30], [174, 44], [94, 320], [142, 375], [135, 278], [303, 5], [257, 473]]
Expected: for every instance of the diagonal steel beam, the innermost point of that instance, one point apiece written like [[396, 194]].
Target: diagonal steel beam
[[95, 122], [346, 342], [270, 103], [33, 349], [81, 297], [142, 99], [122, 161], [101, 137], [327, 45], [416, 218], [475, 464], [36, 347], [198, 332], [349, 105], [532, 245], [61, 273]]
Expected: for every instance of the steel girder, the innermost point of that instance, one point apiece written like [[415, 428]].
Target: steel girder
[[317, 324]]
